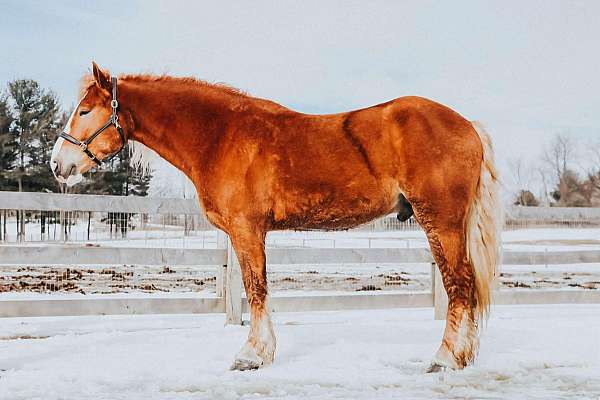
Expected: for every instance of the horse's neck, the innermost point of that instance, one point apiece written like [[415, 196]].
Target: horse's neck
[[172, 124]]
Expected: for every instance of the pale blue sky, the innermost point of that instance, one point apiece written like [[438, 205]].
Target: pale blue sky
[[528, 69]]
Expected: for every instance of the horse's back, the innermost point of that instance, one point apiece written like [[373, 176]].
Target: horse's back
[[341, 170]]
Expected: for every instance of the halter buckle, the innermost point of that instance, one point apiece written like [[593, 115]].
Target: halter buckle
[[83, 146], [114, 104]]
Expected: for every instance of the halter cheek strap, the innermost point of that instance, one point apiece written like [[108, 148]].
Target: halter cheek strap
[[113, 120]]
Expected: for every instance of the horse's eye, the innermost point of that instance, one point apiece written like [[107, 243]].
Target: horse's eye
[[83, 112]]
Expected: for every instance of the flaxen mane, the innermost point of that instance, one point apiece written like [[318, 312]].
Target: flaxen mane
[[88, 80]]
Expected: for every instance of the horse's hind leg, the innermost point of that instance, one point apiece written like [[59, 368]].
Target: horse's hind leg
[[460, 342], [259, 349]]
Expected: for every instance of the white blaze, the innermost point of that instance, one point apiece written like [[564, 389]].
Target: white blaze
[[67, 129], [56, 149], [72, 180]]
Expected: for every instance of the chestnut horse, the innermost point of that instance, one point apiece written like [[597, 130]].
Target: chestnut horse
[[258, 167]]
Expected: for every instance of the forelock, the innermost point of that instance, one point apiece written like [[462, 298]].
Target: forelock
[[85, 83]]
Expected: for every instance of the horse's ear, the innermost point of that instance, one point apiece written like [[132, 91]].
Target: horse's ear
[[102, 78]]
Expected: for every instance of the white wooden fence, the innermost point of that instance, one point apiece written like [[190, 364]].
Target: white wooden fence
[[229, 298]]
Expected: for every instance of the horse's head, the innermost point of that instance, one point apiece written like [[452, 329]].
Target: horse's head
[[92, 133]]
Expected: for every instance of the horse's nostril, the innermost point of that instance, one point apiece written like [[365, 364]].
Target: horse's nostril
[[55, 166], [71, 170]]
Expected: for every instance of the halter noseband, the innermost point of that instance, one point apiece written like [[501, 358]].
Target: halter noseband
[[113, 120]]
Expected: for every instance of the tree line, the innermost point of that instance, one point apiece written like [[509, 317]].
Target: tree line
[[565, 175], [30, 120]]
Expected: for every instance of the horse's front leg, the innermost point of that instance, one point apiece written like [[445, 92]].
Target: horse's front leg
[[259, 349]]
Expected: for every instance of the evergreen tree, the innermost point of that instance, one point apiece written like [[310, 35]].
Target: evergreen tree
[[111, 178], [117, 178], [34, 129], [8, 145], [47, 131], [140, 183]]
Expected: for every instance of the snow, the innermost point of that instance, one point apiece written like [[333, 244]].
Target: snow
[[537, 352]]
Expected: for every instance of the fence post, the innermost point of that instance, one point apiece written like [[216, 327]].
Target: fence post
[[233, 288], [440, 298], [221, 275]]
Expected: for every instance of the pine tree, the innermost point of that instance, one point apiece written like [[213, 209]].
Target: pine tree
[[46, 133], [116, 178], [34, 129], [8, 146], [140, 183]]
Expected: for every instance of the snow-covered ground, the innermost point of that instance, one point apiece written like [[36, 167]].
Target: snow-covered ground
[[539, 352], [534, 352]]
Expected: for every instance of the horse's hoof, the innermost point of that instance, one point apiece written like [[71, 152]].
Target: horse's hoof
[[443, 361], [245, 365], [435, 367], [247, 359]]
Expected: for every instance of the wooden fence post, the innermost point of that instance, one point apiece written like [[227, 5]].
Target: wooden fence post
[[221, 275], [233, 288], [440, 298]]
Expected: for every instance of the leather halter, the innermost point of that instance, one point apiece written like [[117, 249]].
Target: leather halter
[[113, 120]]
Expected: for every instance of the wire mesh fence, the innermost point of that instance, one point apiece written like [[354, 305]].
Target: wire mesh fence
[[107, 228], [195, 231]]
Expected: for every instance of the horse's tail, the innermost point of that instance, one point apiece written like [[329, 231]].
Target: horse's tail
[[484, 227]]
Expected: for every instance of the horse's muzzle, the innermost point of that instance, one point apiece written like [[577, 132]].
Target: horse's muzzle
[[63, 172]]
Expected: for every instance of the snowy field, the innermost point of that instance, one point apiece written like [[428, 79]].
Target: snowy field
[[534, 352]]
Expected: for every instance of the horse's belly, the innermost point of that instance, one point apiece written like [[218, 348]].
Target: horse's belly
[[333, 210]]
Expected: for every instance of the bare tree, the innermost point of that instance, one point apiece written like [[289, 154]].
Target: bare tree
[[558, 157], [593, 176], [543, 175], [522, 174]]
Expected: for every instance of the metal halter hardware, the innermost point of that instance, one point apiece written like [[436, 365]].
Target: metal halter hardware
[[113, 120]]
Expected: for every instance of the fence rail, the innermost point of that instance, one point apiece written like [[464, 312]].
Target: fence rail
[[82, 255], [77, 255], [88, 202], [230, 298]]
